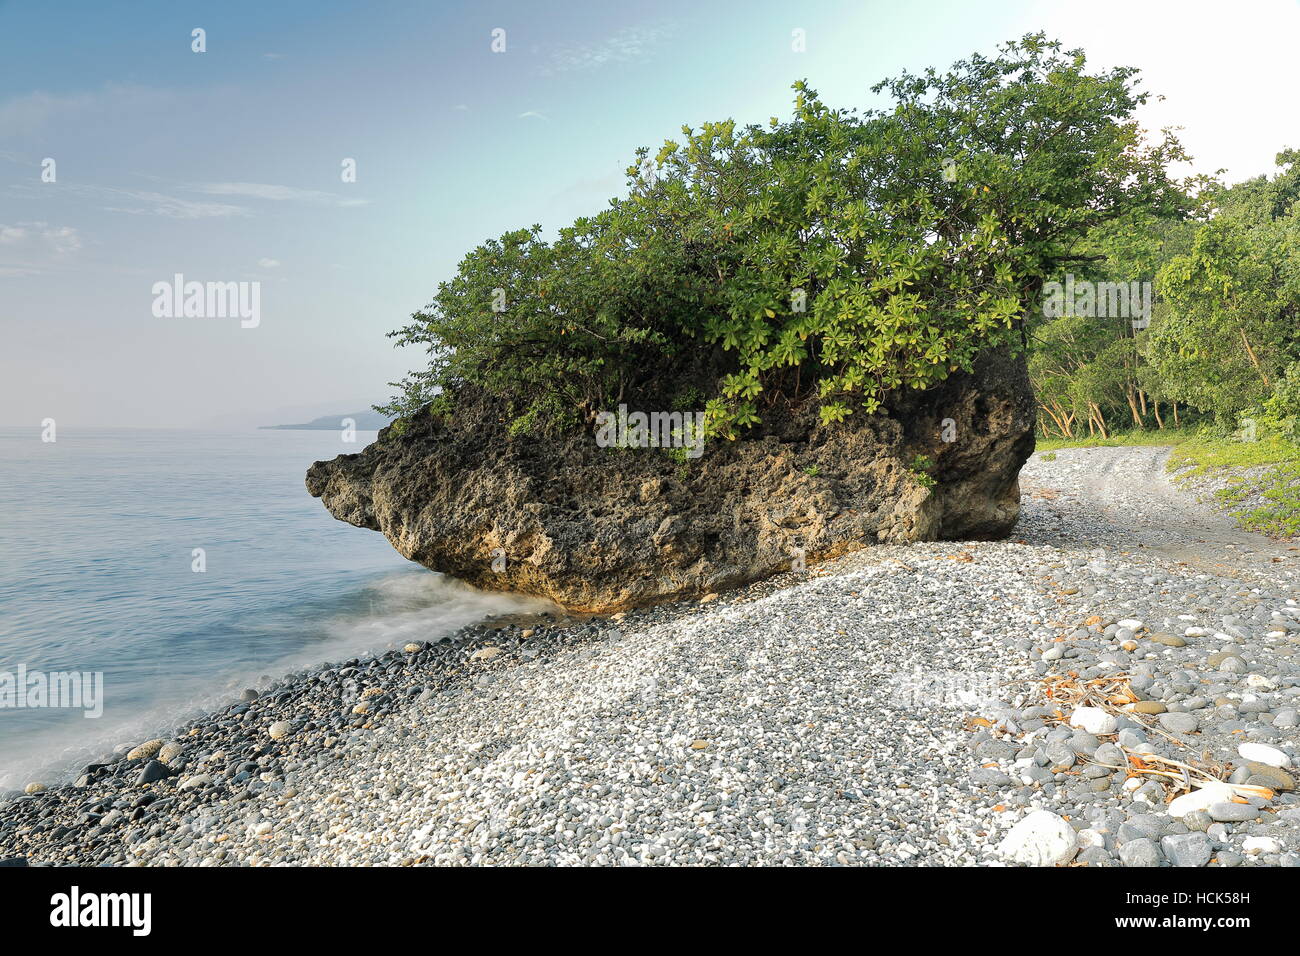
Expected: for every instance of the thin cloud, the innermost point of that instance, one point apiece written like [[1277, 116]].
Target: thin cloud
[[275, 193], [29, 248], [173, 207], [133, 201], [534, 114], [268, 263], [628, 45], [33, 112]]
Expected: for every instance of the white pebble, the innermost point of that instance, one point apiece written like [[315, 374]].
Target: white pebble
[[1040, 839], [1199, 799], [1263, 753], [1094, 720], [1262, 845]]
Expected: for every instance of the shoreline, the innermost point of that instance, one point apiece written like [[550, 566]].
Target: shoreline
[[442, 608], [193, 715], [401, 676]]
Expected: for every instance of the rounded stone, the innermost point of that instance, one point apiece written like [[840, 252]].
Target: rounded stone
[[1224, 812], [145, 750], [1188, 849], [1169, 640], [1148, 707], [1275, 778], [1265, 754], [1140, 852], [1178, 723], [1094, 720], [1257, 844]]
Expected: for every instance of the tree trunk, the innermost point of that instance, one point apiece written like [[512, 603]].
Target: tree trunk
[[1099, 418], [1132, 407], [1061, 420], [1254, 360]]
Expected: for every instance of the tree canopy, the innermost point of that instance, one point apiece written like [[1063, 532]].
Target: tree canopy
[[1222, 341], [836, 256]]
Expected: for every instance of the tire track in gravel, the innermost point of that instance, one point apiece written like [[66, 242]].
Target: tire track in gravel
[[1123, 499]]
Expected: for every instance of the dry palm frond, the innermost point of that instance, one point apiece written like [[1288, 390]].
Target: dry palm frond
[[1111, 693], [1185, 776]]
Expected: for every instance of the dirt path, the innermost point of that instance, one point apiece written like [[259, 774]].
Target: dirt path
[[1122, 499]]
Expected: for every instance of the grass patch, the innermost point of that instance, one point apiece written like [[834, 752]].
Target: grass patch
[[1208, 456], [1279, 515], [1137, 436], [1267, 500]]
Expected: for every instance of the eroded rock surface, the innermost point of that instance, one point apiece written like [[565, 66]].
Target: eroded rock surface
[[603, 529]]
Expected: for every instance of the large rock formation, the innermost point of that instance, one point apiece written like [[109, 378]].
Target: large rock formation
[[601, 529]]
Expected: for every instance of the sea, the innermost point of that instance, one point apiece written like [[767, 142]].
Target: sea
[[172, 569]]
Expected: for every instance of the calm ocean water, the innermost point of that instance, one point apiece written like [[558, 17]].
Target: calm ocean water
[[97, 534]]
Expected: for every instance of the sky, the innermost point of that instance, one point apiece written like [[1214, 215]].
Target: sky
[[228, 165]]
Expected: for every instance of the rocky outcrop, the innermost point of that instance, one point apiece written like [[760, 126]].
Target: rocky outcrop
[[602, 529]]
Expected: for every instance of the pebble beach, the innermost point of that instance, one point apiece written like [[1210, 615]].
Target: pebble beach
[[1115, 685]]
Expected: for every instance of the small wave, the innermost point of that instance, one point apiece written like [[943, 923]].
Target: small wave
[[420, 606], [385, 614]]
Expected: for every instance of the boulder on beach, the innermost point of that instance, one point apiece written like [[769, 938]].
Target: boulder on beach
[[600, 529]]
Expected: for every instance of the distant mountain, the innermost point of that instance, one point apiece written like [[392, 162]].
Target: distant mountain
[[239, 419], [365, 421]]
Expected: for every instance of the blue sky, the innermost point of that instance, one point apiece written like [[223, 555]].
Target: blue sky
[[225, 165]]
